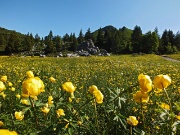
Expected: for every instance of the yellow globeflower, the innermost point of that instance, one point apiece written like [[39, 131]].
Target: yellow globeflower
[[69, 87], [13, 89], [50, 100], [178, 117], [1, 123], [92, 88], [2, 86], [3, 95], [29, 74], [132, 121], [25, 101], [52, 79], [32, 87], [165, 106], [79, 122], [19, 115], [145, 83], [10, 84], [45, 110], [141, 97], [99, 96], [7, 132], [162, 81], [4, 78], [60, 112], [18, 96]]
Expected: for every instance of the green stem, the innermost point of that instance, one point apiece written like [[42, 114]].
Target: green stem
[[142, 113], [130, 130], [169, 102], [83, 105], [33, 109], [96, 118]]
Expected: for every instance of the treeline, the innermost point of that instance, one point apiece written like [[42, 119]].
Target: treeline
[[117, 41]]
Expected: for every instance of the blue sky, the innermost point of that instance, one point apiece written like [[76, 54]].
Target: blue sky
[[70, 16]]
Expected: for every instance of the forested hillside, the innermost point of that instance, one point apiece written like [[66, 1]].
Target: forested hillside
[[114, 40]]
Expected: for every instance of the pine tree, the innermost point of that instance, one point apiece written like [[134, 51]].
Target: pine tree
[[80, 37], [88, 34], [2, 42], [14, 44], [100, 39], [177, 40], [58, 42], [136, 39], [50, 48], [150, 42]]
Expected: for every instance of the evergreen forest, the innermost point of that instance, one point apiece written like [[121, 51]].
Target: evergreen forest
[[115, 41]]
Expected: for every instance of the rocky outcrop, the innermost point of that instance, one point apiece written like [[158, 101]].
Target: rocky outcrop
[[88, 48]]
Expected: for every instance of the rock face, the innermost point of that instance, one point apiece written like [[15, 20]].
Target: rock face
[[88, 48]]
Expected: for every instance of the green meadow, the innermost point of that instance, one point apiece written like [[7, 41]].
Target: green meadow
[[117, 79]]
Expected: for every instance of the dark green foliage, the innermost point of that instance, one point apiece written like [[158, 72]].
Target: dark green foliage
[[100, 39], [168, 42], [80, 37], [117, 41], [136, 39], [2, 42], [14, 44], [150, 42]]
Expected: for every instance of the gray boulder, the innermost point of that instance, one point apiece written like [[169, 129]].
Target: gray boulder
[[88, 48]]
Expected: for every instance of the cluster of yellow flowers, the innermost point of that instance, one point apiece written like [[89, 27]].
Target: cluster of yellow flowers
[[96, 93], [146, 85]]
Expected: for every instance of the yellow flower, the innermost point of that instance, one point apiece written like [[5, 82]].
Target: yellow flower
[[132, 121], [145, 83], [178, 117], [78, 100], [165, 106], [24, 101], [18, 96], [32, 87], [60, 112], [52, 79], [7, 132], [4, 78], [79, 122], [50, 102], [141, 97], [1, 123], [70, 99], [99, 96], [19, 115], [2, 86], [29, 74], [10, 84], [69, 87], [92, 88], [3, 95], [12, 89], [162, 81], [45, 110]]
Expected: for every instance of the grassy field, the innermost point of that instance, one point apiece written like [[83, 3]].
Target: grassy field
[[175, 56], [116, 77]]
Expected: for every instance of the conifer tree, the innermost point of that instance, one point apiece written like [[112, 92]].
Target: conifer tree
[[136, 39]]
